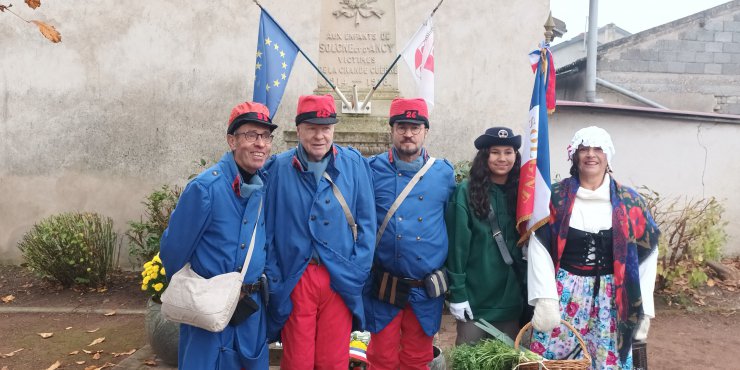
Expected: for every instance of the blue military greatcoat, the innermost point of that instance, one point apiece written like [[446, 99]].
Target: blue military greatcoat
[[211, 228], [414, 243], [305, 220]]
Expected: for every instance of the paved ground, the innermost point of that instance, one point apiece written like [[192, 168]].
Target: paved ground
[[445, 339]]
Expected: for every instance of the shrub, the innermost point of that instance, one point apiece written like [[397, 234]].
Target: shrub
[[71, 248], [462, 170], [144, 235], [692, 232]]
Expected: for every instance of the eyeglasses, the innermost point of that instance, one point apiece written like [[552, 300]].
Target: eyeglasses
[[402, 129], [251, 136]]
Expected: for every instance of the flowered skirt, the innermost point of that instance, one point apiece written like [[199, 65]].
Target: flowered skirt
[[595, 321]]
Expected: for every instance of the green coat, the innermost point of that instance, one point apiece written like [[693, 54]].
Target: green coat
[[478, 273]]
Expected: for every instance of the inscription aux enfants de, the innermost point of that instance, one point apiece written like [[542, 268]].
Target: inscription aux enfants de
[[357, 53]]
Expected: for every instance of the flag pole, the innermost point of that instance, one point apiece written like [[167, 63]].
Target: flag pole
[[371, 92], [334, 88]]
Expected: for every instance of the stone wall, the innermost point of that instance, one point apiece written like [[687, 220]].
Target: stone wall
[[137, 91]]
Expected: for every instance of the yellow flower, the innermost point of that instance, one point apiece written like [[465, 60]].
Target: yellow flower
[[147, 265], [146, 280], [156, 258], [154, 275], [158, 286], [162, 271], [144, 273], [144, 287]]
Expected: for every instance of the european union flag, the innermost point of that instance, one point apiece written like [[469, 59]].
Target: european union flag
[[276, 53]]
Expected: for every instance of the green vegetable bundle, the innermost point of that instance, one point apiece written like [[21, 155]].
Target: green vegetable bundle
[[489, 354]]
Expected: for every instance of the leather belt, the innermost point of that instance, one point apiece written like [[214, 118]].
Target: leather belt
[[252, 288], [413, 283]]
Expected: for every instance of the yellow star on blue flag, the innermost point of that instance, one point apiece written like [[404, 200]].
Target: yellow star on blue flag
[[276, 53]]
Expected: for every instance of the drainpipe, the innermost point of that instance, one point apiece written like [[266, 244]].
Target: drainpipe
[[591, 45], [629, 93]]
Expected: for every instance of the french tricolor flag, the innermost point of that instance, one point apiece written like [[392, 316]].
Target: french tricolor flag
[[532, 209]]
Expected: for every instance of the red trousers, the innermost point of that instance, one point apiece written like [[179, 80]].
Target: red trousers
[[317, 333], [402, 344]]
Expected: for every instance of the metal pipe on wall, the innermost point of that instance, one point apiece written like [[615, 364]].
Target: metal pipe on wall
[[591, 45]]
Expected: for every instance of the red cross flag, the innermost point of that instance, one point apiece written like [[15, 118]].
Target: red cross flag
[[419, 56]]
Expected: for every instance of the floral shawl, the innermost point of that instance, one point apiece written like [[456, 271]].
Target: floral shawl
[[635, 235]]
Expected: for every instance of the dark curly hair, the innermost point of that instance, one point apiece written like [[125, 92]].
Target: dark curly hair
[[480, 180]]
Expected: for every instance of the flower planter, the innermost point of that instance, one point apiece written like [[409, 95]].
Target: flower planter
[[163, 335]]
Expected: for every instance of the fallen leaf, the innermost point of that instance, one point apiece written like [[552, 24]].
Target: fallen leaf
[[150, 362], [96, 341], [115, 354], [33, 4], [67, 328], [91, 367], [10, 354], [109, 313], [107, 364], [86, 351], [93, 330], [102, 290], [54, 366], [8, 298], [45, 335], [80, 362], [710, 283], [96, 356], [26, 286], [74, 353], [48, 31]]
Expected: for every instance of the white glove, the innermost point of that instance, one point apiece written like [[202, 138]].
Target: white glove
[[458, 310], [546, 314], [642, 330]]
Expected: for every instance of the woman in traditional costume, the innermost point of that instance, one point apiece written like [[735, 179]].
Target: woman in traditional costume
[[597, 270]]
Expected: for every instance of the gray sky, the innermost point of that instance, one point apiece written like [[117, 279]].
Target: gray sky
[[631, 15]]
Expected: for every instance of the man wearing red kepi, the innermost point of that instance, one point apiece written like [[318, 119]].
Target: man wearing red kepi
[[403, 304], [217, 215], [321, 230]]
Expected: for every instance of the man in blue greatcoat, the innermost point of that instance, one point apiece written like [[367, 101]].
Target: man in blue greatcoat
[[412, 243], [320, 250], [211, 228]]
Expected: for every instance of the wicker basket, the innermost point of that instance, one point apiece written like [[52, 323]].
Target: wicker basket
[[577, 364]]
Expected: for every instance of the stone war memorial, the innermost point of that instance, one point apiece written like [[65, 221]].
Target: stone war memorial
[[357, 45]]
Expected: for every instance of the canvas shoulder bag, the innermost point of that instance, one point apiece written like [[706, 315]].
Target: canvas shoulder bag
[[206, 303]]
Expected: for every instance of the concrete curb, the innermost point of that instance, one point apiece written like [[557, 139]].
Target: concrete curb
[[81, 310]]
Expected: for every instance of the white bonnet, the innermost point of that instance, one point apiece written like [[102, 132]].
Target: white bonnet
[[594, 137]]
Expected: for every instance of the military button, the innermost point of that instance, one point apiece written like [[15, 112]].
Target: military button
[[327, 201], [243, 245], [400, 219], [245, 221], [400, 174], [215, 173], [421, 197], [418, 258], [305, 259], [419, 219], [418, 238], [398, 236], [326, 222], [313, 217]]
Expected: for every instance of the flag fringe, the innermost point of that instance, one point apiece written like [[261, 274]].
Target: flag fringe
[[537, 225]]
